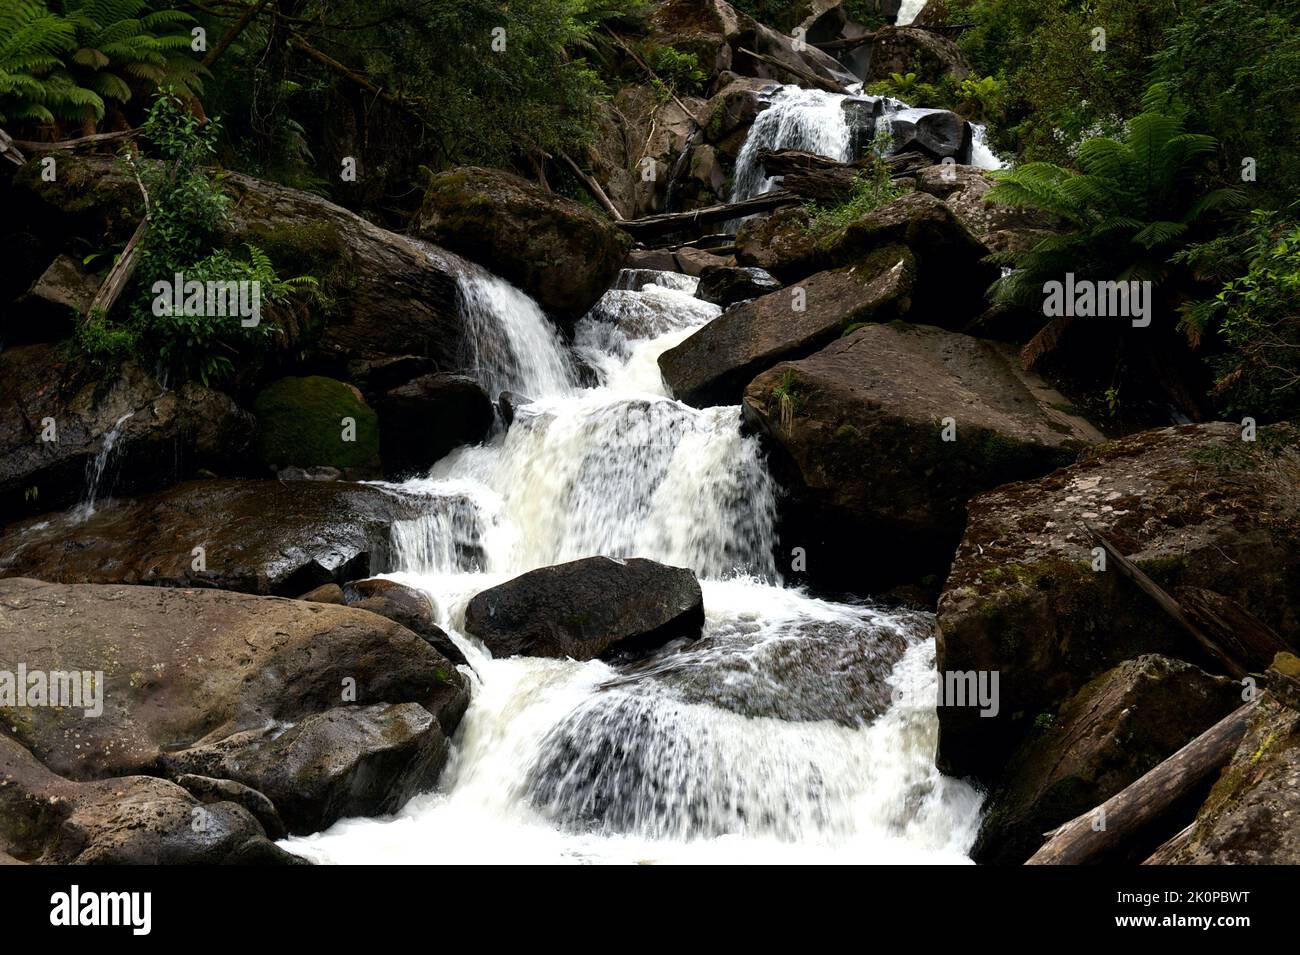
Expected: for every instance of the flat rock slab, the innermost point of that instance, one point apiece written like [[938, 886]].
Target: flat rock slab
[[184, 668], [262, 537], [588, 608]]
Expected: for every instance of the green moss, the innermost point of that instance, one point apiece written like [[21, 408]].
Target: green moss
[[301, 424]]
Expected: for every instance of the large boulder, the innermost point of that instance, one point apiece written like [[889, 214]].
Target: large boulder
[[731, 111], [1249, 816], [1191, 505], [47, 312], [347, 761], [385, 294], [174, 669], [951, 277], [782, 243], [317, 422], [260, 537], [881, 437], [1111, 733], [930, 55], [555, 249], [588, 608], [123, 432], [424, 419], [713, 366], [132, 820], [939, 133], [727, 285]]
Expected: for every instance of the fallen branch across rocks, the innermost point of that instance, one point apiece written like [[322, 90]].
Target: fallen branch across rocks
[[668, 223], [1092, 836]]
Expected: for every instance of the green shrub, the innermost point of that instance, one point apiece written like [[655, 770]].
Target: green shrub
[[680, 70], [872, 189]]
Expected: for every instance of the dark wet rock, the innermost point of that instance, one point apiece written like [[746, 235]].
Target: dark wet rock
[[208, 790], [731, 111], [555, 249], [1112, 732], [808, 671], [509, 403], [132, 820], [1249, 816], [857, 432], [188, 668], [261, 537], [588, 608], [158, 435], [862, 114], [422, 420], [782, 243], [47, 312], [347, 761], [1191, 505], [412, 608], [939, 134], [727, 285], [713, 366], [317, 422]]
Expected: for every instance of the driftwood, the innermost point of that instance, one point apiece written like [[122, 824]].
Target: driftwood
[[813, 79], [851, 43], [1230, 662], [1091, 836], [72, 145], [828, 180], [667, 223], [9, 149]]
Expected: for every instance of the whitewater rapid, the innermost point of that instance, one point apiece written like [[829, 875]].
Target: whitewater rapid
[[794, 730]]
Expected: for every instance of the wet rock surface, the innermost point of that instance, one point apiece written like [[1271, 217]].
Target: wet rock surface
[[262, 537], [1192, 504], [588, 608]]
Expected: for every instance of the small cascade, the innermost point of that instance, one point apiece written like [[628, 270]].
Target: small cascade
[[97, 468], [811, 120], [512, 344]]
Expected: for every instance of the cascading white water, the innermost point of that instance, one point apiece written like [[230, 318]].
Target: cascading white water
[[811, 120], [908, 10], [513, 346], [795, 729]]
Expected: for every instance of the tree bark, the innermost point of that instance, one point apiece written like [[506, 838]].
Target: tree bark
[[657, 226]]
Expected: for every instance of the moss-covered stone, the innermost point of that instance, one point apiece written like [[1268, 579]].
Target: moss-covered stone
[[315, 422]]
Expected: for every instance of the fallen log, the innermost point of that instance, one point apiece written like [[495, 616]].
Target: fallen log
[[593, 187], [812, 79], [1234, 666], [1166, 851], [828, 180], [1233, 627], [667, 223], [1096, 833]]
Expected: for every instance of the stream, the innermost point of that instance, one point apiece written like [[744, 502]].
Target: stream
[[795, 730]]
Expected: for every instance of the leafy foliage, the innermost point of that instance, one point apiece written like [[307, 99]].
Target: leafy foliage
[[872, 189], [185, 209], [679, 69], [1130, 210], [64, 59], [1257, 315]]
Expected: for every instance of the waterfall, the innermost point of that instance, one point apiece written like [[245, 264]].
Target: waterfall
[[811, 120], [794, 729], [98, 465], [908, 11]]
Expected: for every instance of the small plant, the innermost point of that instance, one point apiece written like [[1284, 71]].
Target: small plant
[[872, 189], [185, 208], [979, 98], [787, 398], [679, 70], [909, 88]]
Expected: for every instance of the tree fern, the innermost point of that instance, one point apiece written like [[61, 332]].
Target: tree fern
[[1130, 206]]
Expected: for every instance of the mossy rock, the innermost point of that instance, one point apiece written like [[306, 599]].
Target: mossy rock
[[302, 424]]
